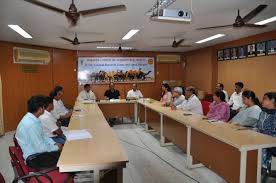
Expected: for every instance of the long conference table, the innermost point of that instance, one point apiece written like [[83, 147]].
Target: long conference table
[[232, 152]]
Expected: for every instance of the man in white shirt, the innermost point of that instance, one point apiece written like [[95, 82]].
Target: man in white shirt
[[134, 93], [220, 87], [236, 99], [192, 103], [60, 112], [49, 123], [86, 94], [178, 97]]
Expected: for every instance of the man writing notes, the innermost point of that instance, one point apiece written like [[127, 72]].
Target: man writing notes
[[134, 93], [112, 93], [192, 103], [60, 111], [86, 93], [39, 151]]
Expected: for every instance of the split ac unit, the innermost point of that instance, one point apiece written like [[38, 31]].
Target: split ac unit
[[168, 58], [30, 56]]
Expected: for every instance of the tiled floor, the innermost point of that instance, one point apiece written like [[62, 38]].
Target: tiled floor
[[146, 160]]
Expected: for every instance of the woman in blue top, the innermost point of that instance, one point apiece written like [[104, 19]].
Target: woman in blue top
[[267, 125]]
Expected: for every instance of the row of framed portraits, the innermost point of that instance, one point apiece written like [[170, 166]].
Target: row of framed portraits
[[252, 50]]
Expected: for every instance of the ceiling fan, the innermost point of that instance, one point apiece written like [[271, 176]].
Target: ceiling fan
[[122, 49], [242, 22], [176, 44], [75, 41], [73, 14]]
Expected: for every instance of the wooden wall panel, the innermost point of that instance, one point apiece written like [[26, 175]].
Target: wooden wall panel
[[64, 73], [18, 86], [199, 69]]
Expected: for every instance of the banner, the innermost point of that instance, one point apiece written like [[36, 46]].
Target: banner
[[101, 70]]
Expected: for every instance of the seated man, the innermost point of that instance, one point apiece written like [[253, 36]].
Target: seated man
[[49, 123], [236, 100], [220, 87], [112, 93], [134, 93], [86, 94], [39, 151], [178, 97], [192, 103], [60, 112]]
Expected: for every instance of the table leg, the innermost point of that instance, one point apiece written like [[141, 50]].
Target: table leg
[[96, 176], [119, 175], [162, 138], [136, 121], [259, 165], [243, 161], [190, 164]]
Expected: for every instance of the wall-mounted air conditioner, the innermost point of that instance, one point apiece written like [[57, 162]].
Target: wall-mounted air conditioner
[[166, 58], [30, 56]]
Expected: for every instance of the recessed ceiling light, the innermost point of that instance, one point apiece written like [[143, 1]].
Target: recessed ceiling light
[[114, 47], [20, 31], [210, 38], [263, 22], [130, 34]]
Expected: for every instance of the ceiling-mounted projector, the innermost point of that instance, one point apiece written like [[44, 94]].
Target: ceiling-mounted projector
[[172, 15]]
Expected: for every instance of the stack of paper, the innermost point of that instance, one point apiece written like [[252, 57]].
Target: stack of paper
[[77, 135]]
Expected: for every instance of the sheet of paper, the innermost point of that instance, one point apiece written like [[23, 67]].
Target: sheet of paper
[[77, 134], [114, 100], [88, 101]]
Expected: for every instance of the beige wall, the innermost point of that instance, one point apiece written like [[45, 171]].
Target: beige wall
[[258, 74]]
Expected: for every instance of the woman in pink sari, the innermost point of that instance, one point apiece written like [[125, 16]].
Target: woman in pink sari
[[166, 94], [219, 109]]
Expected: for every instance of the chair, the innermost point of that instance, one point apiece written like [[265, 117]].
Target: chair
[[2, 178], [205, 107], [28, 175]]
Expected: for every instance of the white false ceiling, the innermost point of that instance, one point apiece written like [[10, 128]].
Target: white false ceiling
[[46, 26]]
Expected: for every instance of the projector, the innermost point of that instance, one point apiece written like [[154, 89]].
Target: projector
[[173, 15]]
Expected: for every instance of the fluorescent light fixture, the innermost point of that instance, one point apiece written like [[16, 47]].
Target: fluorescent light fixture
[[114, 47], [130, 34], [263, 22], [20, 31], [210, 38]]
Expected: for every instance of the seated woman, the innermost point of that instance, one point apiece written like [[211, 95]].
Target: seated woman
[[219, 109], [166, 94], [267, 125], [248, 115]]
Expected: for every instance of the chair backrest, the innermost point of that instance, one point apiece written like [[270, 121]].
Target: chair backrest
[[205, 107], [18, 162], [2, 180]]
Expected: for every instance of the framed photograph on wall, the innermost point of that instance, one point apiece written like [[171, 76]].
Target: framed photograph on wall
[[261, 48], [234, 53], [271, 47], [220, 55], [242, 52], [251, 50], [226, 54]]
